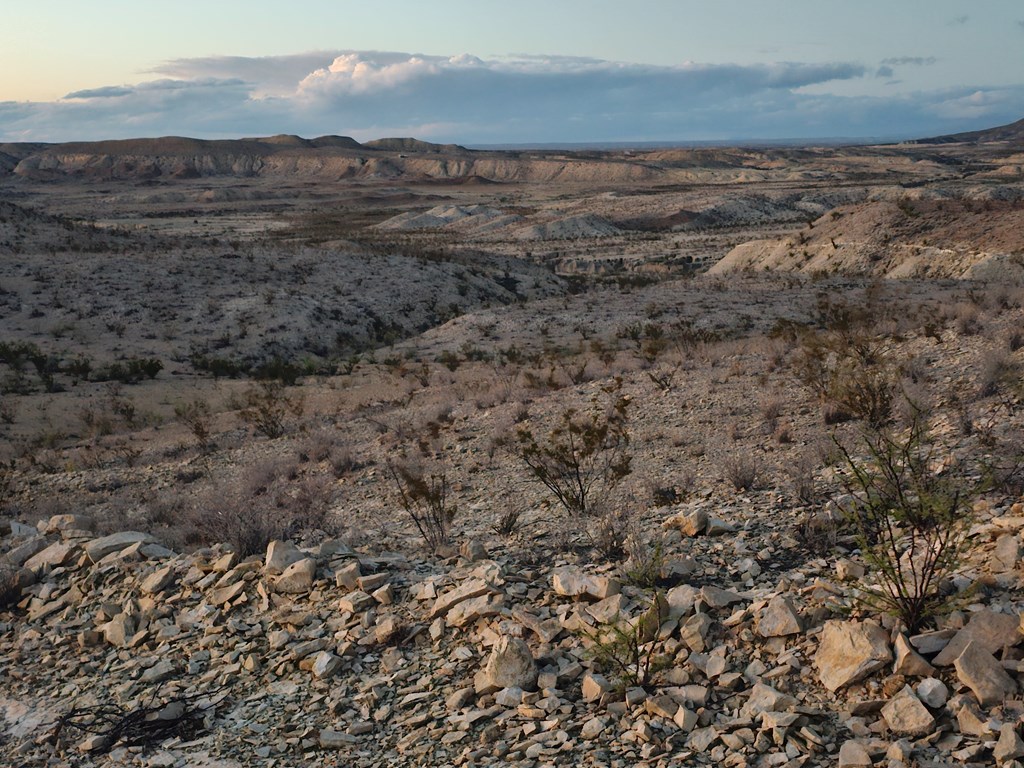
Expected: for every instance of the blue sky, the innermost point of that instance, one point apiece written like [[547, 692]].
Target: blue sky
[[498, 72]]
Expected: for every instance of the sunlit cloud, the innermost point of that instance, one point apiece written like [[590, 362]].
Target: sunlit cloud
[[464, 98]]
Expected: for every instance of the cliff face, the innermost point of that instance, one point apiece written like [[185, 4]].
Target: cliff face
[[330, 157]]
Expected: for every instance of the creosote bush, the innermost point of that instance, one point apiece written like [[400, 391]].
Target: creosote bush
[[196, 416], [423, 494], [268, 406], [583, 457], [911, 522]]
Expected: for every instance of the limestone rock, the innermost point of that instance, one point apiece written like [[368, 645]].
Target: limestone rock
[[853, 754], [158, 580], [933, 692], [764, 698], [297, 578], [511, 665], [595, 686], [849, 651], [336, 739], [978, 670], [572, 582], [280, 554], [779, 618], [356, 602], [987, 629], [347, 575], [97, 549], [470, 589], [1010, 745], [909, 662], [54, 555], [1006, 554], [61, 523], [906, 715]]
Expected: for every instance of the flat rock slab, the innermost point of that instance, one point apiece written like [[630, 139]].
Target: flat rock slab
[[979, 671], [849, 651], [97, 549], [988, 629]]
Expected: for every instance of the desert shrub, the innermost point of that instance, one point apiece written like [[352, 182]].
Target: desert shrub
[[911, 523], [849, 373], [508, 522], [221, 367], [646, 559], [627, 648], [583, 457], [129, 371], [997, 370], [196, 416], [423, 494], [742, 471], [800, 472], [267, 407], [280, 370], [270, 501]]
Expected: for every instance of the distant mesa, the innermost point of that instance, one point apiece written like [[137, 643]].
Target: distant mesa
[[1012, 134], [412, 145], [335, 142]]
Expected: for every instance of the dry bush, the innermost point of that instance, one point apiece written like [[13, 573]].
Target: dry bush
[[272, 500], [742, 471], [423, 494], [771, 409], [997, 370], [268, 407], [196, 416]]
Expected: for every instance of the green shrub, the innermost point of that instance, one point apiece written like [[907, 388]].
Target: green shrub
[[911, 523]]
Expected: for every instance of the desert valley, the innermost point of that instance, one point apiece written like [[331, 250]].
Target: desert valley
[[319, 452]]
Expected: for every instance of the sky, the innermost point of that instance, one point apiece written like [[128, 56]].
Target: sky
[[489, 72]]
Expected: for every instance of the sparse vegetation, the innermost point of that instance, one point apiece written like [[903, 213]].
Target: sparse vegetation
[[911, 523]]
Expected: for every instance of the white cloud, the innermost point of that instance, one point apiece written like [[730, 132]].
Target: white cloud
[[467, 99]]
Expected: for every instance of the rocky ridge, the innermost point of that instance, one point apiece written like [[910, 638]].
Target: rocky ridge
[[322, 653]]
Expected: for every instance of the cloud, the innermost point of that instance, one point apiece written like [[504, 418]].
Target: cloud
[[918, 61], [464, 98]]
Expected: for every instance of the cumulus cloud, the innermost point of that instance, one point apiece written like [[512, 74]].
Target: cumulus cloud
[[368, 94]]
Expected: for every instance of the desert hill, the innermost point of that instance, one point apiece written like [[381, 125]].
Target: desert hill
[[897, 238], [1012, 133]]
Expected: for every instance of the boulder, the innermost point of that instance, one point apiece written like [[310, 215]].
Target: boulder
[[511, 665], [297, 578], [909, 662], [849, 651], [1010, 746], [99, 548], [281, 554]]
